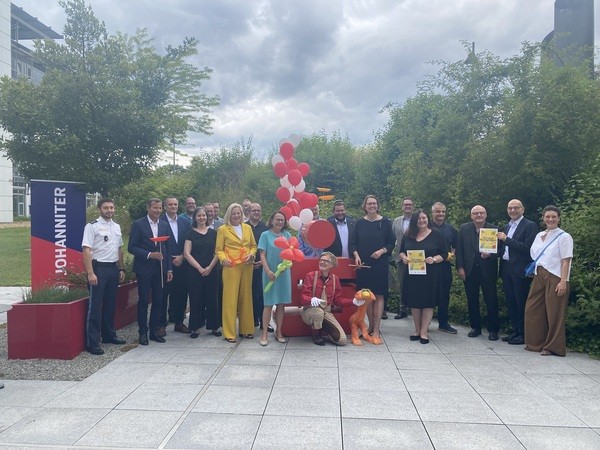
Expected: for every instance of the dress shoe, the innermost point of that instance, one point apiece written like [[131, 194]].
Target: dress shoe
[[270, 329], [508, 338], [95, 350], [493, 336], [415, 337], [217, 333], [181, 328], [384, 316], [447, 329], [517, 340], [401, 315], [474, 332], [424, 340], [162, 331], [157, 338], [115, 341], [143, 339], [194, 335]]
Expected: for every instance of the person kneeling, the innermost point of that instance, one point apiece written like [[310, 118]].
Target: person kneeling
[[321, 290]]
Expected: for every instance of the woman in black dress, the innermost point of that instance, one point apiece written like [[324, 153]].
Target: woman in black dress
[[421, 292], [199, 251], [370, 244]]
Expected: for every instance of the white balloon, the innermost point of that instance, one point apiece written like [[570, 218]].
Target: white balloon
[[300, 187], [284, 182], [294, 139], [284, 141], [291, 189], [306, 216], [277, 159], [295, 222]]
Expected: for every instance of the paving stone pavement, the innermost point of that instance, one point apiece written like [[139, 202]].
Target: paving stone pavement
[[454, 392]]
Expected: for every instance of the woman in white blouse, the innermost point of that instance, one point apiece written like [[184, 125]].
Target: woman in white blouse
[[547, 301]]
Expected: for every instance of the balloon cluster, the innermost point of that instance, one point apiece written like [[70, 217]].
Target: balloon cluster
[[297, 203], [289, 253]]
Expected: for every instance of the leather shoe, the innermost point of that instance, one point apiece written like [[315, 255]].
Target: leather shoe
[[447, 329], [162, 331], [143, 339], [517, 340], [384, 316], [157, 338], [181, 328], [95, 350], [401, 315], [493, 336], [474, 332], [508, 338], [115, 341], [216, 333]]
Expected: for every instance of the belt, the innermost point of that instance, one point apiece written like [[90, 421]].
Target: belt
[[101, 264]]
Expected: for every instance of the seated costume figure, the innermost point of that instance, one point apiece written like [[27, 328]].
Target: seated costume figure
[[320, 291]]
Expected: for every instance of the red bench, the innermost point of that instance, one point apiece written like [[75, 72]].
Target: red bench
[[292, 322]]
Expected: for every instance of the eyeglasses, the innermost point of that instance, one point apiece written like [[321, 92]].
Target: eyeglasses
[[324, 261], [255, 210], [478, 213]]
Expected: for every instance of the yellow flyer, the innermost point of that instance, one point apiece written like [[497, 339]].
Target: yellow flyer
[[416, 262], [488, 240]]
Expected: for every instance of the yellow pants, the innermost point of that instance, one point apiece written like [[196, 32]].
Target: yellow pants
[[237, 300]]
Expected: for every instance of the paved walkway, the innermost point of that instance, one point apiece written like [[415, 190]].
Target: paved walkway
[[455, 392]]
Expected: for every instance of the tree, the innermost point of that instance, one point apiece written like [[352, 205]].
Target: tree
[[106, 106]]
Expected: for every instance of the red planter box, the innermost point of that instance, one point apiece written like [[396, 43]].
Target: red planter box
[[57, 330]]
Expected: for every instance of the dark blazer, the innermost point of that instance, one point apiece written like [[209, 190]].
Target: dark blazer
[[518, 247], [183, 226], [140, 246], [467, 247], [336, 246]]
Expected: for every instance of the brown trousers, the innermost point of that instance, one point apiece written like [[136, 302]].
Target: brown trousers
[[318, 319], [545, 315]]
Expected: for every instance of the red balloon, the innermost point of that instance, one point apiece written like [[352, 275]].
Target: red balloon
[[298, 255], [294, 206], [304, 200], [295, 177], [283, 194], [286, 150], [280, 170], [281, 242], [291, 164], [287, 254], [314, 200], [294, 242], [304, 169], [286, 211]]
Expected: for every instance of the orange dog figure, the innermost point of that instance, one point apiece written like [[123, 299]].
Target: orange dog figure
[[357, 320]]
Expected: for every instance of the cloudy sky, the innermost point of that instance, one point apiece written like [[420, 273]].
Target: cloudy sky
[[301, 66]]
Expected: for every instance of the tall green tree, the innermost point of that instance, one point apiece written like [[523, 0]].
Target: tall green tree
[[106, 106]]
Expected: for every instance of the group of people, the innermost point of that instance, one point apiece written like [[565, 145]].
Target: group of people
[[223, 265]]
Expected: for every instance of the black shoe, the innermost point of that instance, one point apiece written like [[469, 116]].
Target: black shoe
[[384, 316], [415, 337], [401, 315], [217, 333], [511, 336], [493, 336], [194, 335], [157, 338], [424, 340], [517, 340], [115, 341], [143, 339], [270, 329], [474, 332], [447, 329], [95, 350]]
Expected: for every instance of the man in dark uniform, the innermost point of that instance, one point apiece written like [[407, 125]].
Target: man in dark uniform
[[438, 223], [103, 260], [258, 227]]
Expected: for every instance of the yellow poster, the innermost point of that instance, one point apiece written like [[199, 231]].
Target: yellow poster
[[488, 240], [416, 262]]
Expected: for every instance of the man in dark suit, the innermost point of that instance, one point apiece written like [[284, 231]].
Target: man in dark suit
[[518, 235], [478, 270], [343, 226], [149, 257], [175, 293]]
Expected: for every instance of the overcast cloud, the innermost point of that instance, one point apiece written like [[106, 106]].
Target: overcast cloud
[[300, 66]]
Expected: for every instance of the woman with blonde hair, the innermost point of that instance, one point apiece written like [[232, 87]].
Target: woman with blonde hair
[[236, 250]]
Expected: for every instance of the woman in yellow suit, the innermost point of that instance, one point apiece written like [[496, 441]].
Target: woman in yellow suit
[[236, 249]]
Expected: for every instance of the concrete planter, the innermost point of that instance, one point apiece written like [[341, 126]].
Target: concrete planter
[[57, 330]]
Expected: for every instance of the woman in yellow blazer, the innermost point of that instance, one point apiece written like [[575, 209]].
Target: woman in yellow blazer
[[236, 250]]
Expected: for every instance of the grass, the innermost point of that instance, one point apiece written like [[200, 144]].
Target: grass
[[15, 266]]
